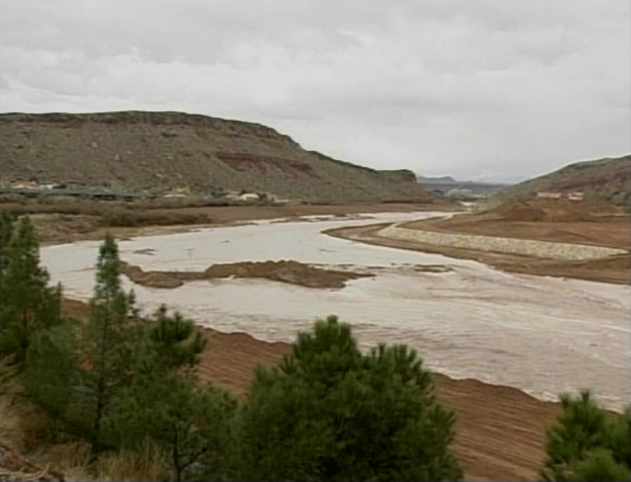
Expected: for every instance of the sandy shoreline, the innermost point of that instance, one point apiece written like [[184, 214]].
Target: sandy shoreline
[[500, 433], [611, 269], [56, 226]]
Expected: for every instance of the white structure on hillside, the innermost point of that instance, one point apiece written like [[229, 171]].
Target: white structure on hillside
[[249, 196], [549, 195], [570, 196]]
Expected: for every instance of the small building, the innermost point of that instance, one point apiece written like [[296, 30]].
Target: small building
[[549, 195], [576, 196], [249, 196], [50, 186], [30, 185]]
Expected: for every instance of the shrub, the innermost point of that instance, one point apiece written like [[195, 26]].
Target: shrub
[[166, 405], [191, 423], [587, 443], [331, 413], [28, 304]]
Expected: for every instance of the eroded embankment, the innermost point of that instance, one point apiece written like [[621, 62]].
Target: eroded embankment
[[291, 272], [500, 431], [612, 268], [522, 247]]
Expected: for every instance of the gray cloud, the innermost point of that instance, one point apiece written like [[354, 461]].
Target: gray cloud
[[492, 88]]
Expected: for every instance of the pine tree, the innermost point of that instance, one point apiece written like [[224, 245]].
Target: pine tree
[[331, 413], [600, 466], [190, 422], [6, 231], [175, 342], [166, 403], [51, 374], [108, 345], [29, 304], [587, 443]]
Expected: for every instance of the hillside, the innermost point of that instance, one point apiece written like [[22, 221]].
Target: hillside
[[607, 178], [156, 152]]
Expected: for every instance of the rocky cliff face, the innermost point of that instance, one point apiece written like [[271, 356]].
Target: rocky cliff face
[[159, 151]]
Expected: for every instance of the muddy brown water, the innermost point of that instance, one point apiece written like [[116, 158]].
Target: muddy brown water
[[542, 335]]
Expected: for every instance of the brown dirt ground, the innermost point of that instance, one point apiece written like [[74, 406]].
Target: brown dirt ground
[[556, 221], [291, 272], [500, 430], [544, 221]]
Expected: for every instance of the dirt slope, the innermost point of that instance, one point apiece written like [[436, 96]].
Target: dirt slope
[[160, 151], [500, 430]]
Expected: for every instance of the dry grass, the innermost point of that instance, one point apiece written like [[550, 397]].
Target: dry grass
[[71, 458], [26, 429], [148, 464], [21, 424], [110, 214]]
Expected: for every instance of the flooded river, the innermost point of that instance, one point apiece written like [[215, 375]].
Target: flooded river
[[543, 335]]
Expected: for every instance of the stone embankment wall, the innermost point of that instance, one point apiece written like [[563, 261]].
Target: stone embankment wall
[[539, 249]]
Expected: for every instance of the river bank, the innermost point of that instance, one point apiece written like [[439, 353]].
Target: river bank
[[91, 220], [470, 323], [465, 317], [512, 255], [500, 433]]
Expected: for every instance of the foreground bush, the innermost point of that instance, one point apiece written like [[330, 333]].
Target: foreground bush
[[331, 413], [27, 304], [190, 422], [588, 444], [123, 383]]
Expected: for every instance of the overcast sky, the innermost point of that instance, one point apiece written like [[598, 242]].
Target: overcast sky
[[486, 89]]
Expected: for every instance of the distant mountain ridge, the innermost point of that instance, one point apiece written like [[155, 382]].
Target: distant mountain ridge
[[158, 152], [608, 178], [447, 186], [437, 180]]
